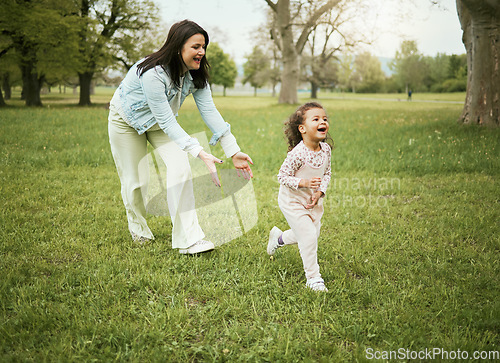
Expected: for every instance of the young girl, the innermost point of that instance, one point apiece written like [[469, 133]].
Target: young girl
[[304, 178]]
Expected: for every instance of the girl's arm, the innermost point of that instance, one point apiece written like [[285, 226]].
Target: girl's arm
[[312, 183], [314, 199], [286, 175], [324, 181], [328, 173]]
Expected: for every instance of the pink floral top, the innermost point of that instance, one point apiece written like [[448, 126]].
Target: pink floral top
[[296, 158]]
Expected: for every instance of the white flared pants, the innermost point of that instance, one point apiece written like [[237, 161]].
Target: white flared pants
[[129, 152]]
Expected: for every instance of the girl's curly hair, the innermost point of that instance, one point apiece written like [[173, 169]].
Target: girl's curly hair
[[291, 129]]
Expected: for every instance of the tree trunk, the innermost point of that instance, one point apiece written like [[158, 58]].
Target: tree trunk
[[6, 86], [480, 22], [314, 90], [290, 49], [290, 77], [255, 91], [31, 83], [290, 73], [2, 101], [85, 82]]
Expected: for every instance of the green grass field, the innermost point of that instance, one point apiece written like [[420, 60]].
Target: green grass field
[[409, 247]]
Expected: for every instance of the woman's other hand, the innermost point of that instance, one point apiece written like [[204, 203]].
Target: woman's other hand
[[210, 162], [240, 161]]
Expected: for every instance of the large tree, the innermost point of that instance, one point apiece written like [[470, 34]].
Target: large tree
[[223, 69], [4, 50], [256, 69], [266, 46], [101, 21], [480, 21], [368, 75], [40, 33], [345, 80], [409, 66], [438, 68], [293, 22], [328, 38], [319, 69], [130, 46]]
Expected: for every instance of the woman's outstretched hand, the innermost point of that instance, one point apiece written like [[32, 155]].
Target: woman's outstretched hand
[[210, 162], [240, 161]]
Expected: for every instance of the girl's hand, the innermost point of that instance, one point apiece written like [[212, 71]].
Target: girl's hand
[[314, 199], [210, 162], [240, 161], [312, 183]]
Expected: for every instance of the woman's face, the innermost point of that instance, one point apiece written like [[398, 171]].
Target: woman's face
[[193, 51]]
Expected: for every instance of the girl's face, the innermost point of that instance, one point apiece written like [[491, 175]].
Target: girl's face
[[193, 51], [315, 126]]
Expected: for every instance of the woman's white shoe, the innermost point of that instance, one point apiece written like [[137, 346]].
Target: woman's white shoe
[[198, 247]]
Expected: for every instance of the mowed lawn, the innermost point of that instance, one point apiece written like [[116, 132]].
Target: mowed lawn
[[409, 247]]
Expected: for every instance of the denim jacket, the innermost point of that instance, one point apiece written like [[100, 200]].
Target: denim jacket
[[145, 100]]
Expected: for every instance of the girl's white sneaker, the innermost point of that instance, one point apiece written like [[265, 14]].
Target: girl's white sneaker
[[316, 284], [273, 244], [198, 247]]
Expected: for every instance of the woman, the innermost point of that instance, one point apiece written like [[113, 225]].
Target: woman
[[143, 109]]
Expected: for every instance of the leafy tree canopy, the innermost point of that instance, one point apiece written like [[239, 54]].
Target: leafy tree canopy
[[223, 69]]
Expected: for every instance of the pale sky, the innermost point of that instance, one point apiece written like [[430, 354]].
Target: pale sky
[[232, 22]]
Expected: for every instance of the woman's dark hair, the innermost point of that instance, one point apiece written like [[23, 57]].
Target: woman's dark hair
[[169, 56], [296, 119]]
